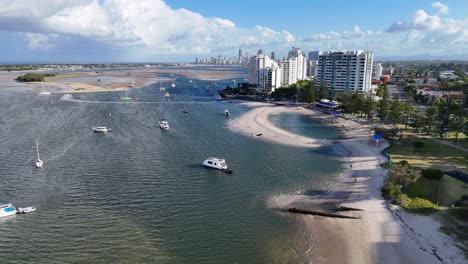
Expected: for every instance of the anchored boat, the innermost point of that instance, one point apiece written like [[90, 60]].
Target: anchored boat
[[101, 129], [217, 163]]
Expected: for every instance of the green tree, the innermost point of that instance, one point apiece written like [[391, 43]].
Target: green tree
[[323, 92], [403, 174], [457, 121], [408, 111], [383, 93], [430, 117], [395, 112], [444, 112], [307, 93]]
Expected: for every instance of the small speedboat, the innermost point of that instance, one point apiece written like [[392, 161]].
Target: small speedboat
[[101, 129], [25, 210], [162, 89], [184, 111], [226, 112], [217, 163], [163, 124], [7, 210]]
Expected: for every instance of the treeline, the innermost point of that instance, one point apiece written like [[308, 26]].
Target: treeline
[[33, 77], [439, 117], [302, 91]]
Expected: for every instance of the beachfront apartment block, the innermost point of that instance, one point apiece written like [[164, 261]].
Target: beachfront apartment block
[[346, 70], [294, 68], [264, 72]]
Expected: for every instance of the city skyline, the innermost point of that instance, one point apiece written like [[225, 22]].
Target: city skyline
[[180, 30]]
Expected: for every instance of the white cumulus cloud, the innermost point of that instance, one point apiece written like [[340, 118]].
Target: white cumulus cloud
[[441, 8], [144, 25]]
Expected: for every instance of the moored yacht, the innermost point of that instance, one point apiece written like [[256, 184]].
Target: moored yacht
[[39, 162], [101, 129], [226, 112], [163, 124], [7, 210], [217, 163]]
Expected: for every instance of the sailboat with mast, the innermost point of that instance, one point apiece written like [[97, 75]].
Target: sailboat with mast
[[39, 162], [43, 92], [161, 87]]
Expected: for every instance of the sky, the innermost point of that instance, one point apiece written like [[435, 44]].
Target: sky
[[89, 31]]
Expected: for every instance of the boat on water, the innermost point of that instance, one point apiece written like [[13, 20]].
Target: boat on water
[[39, 163], [163, 124], [7, 210], [126, 98], [173, 84], [24, 210], [226, 112], [217, 163], [184, 111], [43, 92], [167, 94], [101, 129], [162, 89], [190, 81]]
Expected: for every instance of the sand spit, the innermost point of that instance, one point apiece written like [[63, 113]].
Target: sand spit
[[383, 234]]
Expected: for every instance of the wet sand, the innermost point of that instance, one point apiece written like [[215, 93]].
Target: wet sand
[[384, 234], [118, 80]]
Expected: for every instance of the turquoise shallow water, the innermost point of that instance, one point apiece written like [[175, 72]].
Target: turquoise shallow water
[[303, 125], [139, 194]]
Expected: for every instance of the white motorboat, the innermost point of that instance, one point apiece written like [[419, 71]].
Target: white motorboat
[[217, 163], [25, 210], [43, 92], [167, 94], [173, 84], [226, 112], [163, 124], [39, 162], [162, 89], [7, 210], [101, 129]]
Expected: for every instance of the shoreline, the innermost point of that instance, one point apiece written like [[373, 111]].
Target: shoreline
[[384, 234], [118, 80]]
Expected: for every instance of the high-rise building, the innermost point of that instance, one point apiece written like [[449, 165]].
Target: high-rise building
[[345, 70], [273, 57], [265, 73], [260, 52], [377, 71], [313, 56], [294, 68], [240, 53]]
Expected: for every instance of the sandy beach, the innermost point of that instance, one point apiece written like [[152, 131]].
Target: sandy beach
[[118, 80], [383, 234]]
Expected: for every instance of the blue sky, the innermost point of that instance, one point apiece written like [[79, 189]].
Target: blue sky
[[180, 30]]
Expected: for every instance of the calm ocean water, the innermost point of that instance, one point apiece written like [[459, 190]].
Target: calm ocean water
[[139, 194]]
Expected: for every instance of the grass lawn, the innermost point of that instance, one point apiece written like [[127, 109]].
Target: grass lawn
[[451, 190], [433, 154], [422, 188], [462, 142]]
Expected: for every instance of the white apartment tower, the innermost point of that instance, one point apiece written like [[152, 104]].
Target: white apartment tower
[[377, 71], [294, 68], [345, 70], [265, 73]]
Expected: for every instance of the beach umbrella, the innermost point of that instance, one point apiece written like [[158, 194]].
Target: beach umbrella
[[377, 137]]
